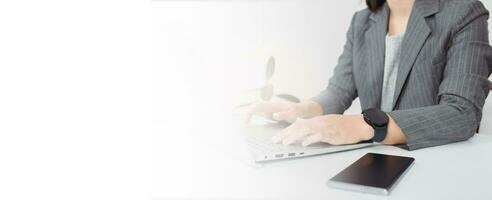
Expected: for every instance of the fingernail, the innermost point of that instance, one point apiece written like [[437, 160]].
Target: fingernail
[[276, 116]]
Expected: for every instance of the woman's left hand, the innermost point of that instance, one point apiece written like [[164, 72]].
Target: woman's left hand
[[332, 129]]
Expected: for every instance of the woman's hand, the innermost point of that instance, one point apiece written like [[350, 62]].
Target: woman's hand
[[332, 129], [285, 111]]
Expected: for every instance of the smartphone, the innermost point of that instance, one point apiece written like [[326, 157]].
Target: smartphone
[[372, 173]]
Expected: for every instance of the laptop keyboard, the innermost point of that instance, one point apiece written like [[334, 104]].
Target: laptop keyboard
[[259, 140], [263, 143]]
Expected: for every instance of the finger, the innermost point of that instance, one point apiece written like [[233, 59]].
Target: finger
[[300, 131], [255, 109], [294, 128], [284, 133], [250, 114], [312, 139], [288, 116], [297, 135]]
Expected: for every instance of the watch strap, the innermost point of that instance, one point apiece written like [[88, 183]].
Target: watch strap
[[379, 133], [381, 127]]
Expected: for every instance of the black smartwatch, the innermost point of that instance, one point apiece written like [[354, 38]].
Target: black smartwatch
[[378, 120]]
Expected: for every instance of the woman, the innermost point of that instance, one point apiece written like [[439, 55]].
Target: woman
[[420, 69]]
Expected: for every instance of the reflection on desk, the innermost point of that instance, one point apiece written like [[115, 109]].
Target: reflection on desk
[[454, 171]]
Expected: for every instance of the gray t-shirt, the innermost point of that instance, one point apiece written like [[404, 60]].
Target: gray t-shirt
[[391, 63]]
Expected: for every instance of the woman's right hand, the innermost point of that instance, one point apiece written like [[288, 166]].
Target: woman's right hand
[[284, 110]]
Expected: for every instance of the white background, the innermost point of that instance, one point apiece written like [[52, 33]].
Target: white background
[[75, 99], [206, 52]]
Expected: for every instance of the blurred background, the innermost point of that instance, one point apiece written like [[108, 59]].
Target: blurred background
[[216, 47], [205, 53]]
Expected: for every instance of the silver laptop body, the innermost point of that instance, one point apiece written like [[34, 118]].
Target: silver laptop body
[[258, 138]]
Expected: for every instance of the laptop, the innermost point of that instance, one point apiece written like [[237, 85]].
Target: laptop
[[259, 142]]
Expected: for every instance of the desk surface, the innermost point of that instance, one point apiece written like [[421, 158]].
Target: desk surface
[[455, 171]]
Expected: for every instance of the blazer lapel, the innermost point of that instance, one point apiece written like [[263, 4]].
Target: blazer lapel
[[375, 38], [416, 34]]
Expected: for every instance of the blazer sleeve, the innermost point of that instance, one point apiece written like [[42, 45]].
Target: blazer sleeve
[[462, 91], [341, 89]]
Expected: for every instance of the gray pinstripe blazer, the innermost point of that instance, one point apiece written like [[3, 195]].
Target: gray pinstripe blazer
[[442, 78]]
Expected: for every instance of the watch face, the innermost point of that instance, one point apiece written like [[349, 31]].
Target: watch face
[[377, 117]]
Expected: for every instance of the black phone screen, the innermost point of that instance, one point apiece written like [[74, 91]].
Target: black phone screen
[[374, 170]]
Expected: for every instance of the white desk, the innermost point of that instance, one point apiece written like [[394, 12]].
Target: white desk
[[455, 171]]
